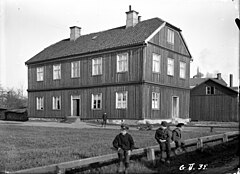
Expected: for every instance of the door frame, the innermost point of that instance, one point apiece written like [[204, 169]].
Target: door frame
[[177, 103], [74, 97]]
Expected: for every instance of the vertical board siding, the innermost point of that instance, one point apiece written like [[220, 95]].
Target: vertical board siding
[[108, 103], [166, 94], [213, 108], [109, 71], [222, 106]]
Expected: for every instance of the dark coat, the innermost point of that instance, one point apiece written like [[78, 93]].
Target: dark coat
[[104, 117], [163, 134], [124, 142], [177, 135]]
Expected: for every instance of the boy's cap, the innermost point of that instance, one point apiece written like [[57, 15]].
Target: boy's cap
[[164, 124], [124, 127], [180, 124]]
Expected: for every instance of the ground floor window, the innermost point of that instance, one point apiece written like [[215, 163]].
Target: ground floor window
[[97, 101], [56, 100], [121, 100], [40, 103], [155, 100]]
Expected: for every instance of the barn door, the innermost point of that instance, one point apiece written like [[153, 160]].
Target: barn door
[[75, 105], [175, 107]]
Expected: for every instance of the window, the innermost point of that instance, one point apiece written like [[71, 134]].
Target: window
[[170, 69], [40, 73], [182, 70], [156, 63], [40, 103], [56, 72], [122, 62], [210, 90], [97, 66], [121, 100], [155, 100], [97, 101], [170, 36], [56, 103], [75, 69]]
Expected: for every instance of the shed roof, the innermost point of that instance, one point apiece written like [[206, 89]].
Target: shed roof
[[197, 81]]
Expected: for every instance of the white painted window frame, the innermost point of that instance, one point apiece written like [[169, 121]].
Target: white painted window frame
[[155, 100], [121, 100], [122, 62], [170, 67], [97, 66], [56, 71], [156, 63], [75, 69], [97, 101], [40, 73]]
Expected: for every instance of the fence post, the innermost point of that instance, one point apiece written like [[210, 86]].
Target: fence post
[[225, 138], [59, 170], [151, 155], [199, 143], [211, 129]]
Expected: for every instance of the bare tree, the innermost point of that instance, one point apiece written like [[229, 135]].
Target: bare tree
[[12, 98]]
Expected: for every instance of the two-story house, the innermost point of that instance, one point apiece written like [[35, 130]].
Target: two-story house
[[137, 71]]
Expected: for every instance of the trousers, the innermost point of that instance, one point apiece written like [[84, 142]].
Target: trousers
[[165, 147], [124, 157]]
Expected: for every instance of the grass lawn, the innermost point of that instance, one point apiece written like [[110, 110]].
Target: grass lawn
[[24, 147]]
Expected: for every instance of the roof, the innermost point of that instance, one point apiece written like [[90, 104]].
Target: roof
[[100, 41], [197, 81], [220, 82], [19, 111]]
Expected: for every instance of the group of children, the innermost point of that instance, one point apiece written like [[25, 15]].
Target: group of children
[[124, 143]]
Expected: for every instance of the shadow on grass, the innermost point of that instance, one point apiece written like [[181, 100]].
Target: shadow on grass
[[193, 162], [196, 161]]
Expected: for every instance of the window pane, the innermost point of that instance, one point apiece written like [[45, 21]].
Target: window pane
[[122, 62], [170, 66]]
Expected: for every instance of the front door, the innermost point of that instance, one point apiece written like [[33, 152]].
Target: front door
[[175, 107], [75, 105]]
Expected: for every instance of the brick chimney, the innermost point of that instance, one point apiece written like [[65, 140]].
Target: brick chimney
[[219, 76], [75, 32], [132, 18], [230, 80]]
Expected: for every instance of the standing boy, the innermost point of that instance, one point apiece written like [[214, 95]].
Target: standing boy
[[177, 138], [163, 137], [104, 117], [124, 143]]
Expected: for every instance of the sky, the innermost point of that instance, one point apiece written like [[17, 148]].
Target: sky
[[29, 26]]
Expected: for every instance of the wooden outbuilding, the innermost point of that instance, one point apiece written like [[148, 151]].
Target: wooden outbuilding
[[16, 115], [212, 100]]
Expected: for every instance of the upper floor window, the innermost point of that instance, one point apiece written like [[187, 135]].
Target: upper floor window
[[75, 69], [40, 73], [210, 90], [97, 101], [40, 103], [121, 100], [170, 68], [182, 70], [156, 63], [155, 100], [122, 62], [56, 103], [97, 66], [170, 36], [56, 71]]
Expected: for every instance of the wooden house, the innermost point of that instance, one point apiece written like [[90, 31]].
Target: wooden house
[[137, 71], [212, 100]]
